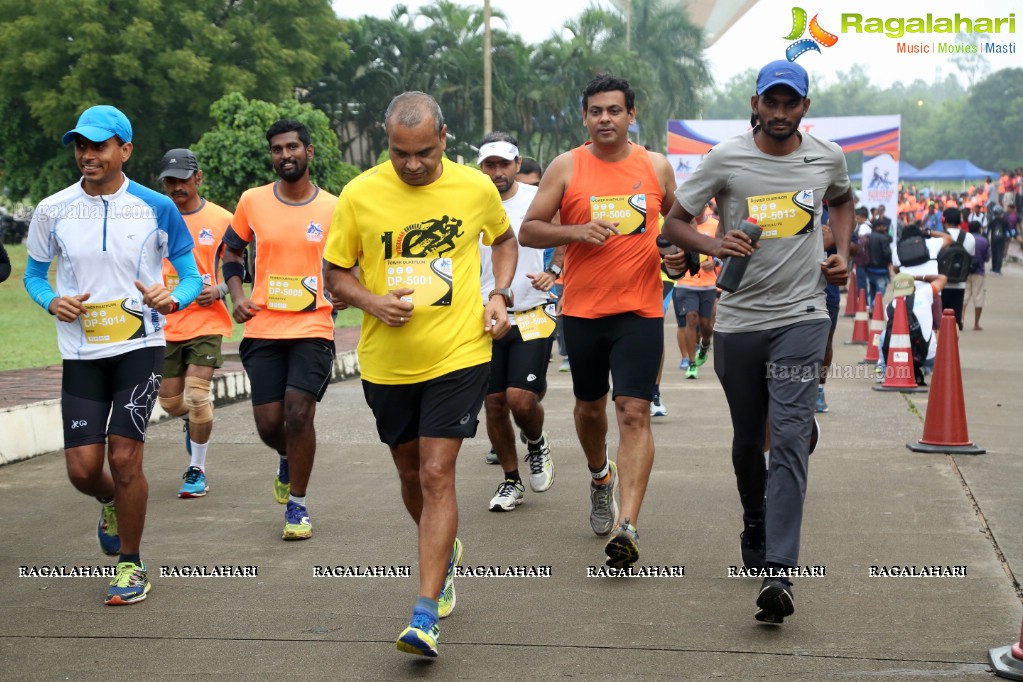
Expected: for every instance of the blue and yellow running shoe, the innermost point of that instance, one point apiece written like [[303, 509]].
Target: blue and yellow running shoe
[[446, 603], [109, 540], [130, 584], [297, 525], [421, 635], [282, 483]]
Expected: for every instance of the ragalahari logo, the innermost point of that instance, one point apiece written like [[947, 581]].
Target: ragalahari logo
[[802, 45]]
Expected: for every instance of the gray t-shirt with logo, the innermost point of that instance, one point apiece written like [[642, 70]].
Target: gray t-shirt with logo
[[783, 283]]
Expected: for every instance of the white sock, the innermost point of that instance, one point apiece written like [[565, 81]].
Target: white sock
[[297, 500], [199, 454], [767, 458]]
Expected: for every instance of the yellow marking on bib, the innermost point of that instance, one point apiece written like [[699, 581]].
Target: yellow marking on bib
[[292, 293], [432, 279], [111, 322]]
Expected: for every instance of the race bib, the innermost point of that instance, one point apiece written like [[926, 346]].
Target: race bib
[[113, 321], [629, 211], [431, 278], [535, 323], [785, 214], [292, 293]]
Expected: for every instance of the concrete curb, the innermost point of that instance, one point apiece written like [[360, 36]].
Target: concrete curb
[[34, 429]]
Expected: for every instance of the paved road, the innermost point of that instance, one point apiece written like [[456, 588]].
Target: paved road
[[871, 502]]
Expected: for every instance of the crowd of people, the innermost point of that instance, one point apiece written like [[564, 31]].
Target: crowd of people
[[465, 279]]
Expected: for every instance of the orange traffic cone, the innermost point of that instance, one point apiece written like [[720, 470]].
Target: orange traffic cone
[[898, 372], [945, 425], [876, 327], [860, 326], [850, 295], [1007, 661]]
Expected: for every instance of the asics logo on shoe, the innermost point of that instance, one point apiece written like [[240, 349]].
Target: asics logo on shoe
[[531, 377], [75, 423]]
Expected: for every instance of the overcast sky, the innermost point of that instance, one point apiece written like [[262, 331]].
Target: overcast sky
[[759, 36]]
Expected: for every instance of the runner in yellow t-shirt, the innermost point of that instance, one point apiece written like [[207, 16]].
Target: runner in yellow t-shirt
[[288, 347], [195, 333], [413, 226]]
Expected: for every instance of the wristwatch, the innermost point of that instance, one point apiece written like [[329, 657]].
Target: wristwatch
[[509, 297], [554, 270]]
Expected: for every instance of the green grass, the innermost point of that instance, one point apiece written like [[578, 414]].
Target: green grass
[[28, 334]]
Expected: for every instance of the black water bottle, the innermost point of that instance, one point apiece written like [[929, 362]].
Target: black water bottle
[[734, 268], [667, 249]]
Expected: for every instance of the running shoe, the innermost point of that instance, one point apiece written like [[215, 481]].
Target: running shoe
[[491, 457], [421, 636], [753, 546], [195, 483], [822, 404], [541, 466], [565, 367], [297, 525], [109, 540], [774, 602], [603, 507], [188, 438], [701, 354], [683, 364], [130, 584], [446, 603], [282, 484], [622, 549], [692, 371], [509, 496], [657, 408], [815, 435]]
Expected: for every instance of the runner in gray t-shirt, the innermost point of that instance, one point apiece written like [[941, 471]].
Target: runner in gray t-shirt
[[771, 333]]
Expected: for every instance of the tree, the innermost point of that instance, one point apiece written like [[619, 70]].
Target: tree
[[163, 64], [235, 153]]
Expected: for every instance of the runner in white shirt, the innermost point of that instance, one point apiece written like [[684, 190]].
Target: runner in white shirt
[[518, 367]]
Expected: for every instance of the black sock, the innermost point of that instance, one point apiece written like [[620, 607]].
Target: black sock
[[133, 558], [513, 476]]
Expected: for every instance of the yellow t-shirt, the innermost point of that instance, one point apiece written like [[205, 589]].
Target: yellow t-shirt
[[424, 238]]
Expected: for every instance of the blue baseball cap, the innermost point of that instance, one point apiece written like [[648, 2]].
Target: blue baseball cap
[[100, 123], [783, 72]]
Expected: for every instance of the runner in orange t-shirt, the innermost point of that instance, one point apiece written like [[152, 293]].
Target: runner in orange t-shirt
[[695, 297], [609, 193], [288, 347], [194, 334]]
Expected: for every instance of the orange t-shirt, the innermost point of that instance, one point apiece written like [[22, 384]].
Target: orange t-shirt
[[288, 274], [623, 275], [703, 279], [207, 225]]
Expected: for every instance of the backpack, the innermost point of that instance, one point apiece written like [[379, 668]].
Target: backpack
[[862, 257], [880, 250], [912, 247], [954, 261], [918, 345], [997, 228]]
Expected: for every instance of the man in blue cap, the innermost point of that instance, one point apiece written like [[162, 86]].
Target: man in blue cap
[[771, 332], [109, 236]]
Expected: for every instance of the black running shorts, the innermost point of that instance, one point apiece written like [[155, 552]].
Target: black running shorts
[[278, 365], [515, 363], [445, 407], [626, 346], [112, 395]]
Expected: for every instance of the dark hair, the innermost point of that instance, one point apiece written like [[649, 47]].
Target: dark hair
[[530, 165], [411, 108], [975, 226], [862, 211], [607, 83], [498, 136], [953, 217], [288, 125]]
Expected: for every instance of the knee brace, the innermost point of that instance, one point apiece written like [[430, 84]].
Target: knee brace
[[174, 405], [197, 398]]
